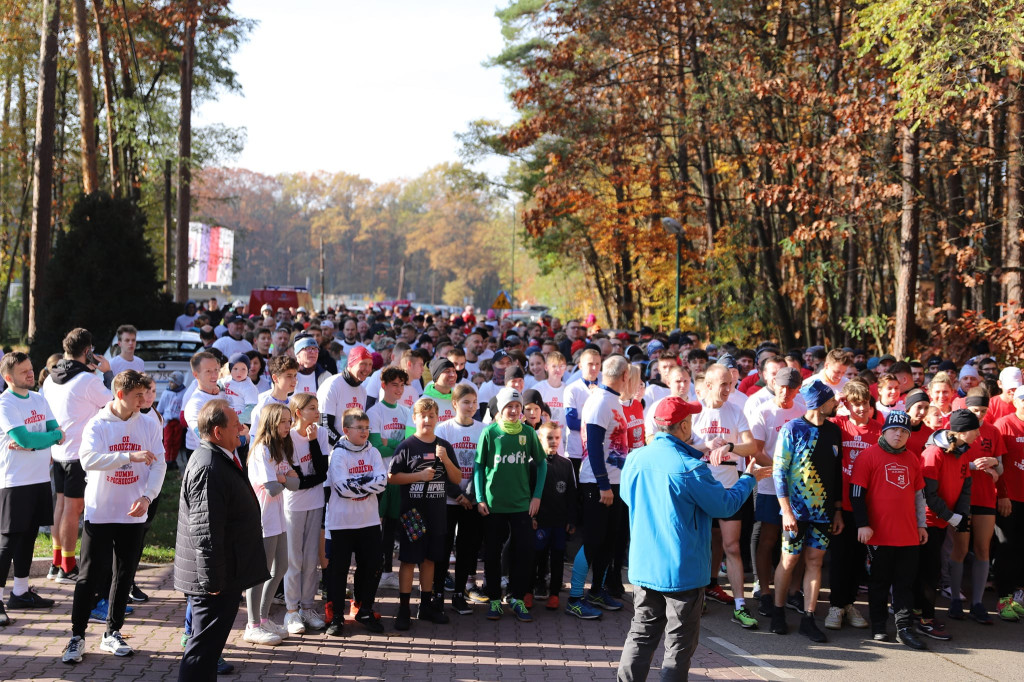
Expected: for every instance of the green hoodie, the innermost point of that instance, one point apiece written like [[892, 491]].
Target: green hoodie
[[502, 469]]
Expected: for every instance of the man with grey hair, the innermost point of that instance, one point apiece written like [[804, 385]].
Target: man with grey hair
[[219, 546], [605, 446]]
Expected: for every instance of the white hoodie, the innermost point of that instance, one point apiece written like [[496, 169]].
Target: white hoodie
[[355, 476], [113, 483]]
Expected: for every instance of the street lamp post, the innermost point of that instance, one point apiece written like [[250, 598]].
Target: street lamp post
[[673, 227]]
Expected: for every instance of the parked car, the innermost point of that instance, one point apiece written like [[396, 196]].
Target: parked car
[[163, 352]]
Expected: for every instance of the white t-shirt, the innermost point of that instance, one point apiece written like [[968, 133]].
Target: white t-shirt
[[554, 398], [21, 467], [726, 422], [229, 346], [576, 394], [347, 347], [654, 393], [239, 394], [73, 404], [365, 464], [372, 385], [604, 409], [412, 393], [191, 410], [820, 376], [464, 440], [389, 422], [310, 498], [445, 408], [113, 483], [306, 383], [262, 470], [487, 391], [768, 421], [118, 364], [262, 401], [336, 395]]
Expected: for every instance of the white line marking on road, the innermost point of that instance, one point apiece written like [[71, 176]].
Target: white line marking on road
[[757, 662]]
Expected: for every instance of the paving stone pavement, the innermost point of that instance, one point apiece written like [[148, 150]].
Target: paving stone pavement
[[554, 647]]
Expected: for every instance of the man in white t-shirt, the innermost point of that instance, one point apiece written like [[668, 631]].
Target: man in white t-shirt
[[833, 372], [126, 335], [27, 431], [576, 395], [75, 394], [232, 342], [205, 369], [766, 422], [311, 376], [350, 337], [722, 428], [678, 380]]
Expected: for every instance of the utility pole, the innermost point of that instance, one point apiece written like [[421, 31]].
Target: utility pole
[[322, 287], [512, 286]]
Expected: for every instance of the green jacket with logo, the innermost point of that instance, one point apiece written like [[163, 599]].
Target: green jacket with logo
[[501, 474]]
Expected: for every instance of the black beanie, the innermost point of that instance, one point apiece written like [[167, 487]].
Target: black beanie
[[963, 420]]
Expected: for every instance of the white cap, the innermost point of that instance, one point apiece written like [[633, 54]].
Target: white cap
[[969, 371], [238, 304], [266, 306], [1010, 377], [327, 324], [1019, 393]]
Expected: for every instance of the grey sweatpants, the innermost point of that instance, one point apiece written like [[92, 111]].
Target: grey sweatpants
[[300, 583], [652, 612], [259, 597]]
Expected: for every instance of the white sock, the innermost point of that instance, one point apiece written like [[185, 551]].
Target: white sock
[[739, 602], [20, 585]]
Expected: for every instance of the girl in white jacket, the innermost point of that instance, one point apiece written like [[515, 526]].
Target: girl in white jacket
[[356, 475]]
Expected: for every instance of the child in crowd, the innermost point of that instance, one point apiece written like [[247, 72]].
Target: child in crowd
[[465, 525], [556, 519], [356, 475], [423, 466], [269, 470], [169, 408], [238, 390], [304, 514], [284, 376]]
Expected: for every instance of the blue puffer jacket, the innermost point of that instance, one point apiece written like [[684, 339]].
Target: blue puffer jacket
[[672, 498]]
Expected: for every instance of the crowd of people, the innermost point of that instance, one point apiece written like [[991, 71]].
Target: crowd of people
[[309, 439]]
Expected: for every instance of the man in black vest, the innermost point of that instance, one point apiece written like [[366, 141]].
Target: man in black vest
[[219, 548]]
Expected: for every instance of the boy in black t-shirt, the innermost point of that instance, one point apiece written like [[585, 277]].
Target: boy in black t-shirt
[[424, 467]]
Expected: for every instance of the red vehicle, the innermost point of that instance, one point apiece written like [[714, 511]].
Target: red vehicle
[[279, 297]]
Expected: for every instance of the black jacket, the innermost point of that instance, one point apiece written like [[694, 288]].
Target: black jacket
[[219, 545], [558, 505]]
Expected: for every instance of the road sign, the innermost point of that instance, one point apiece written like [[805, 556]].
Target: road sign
[[502, 301]]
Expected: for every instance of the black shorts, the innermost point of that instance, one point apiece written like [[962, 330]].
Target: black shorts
[[69, 479], [738, 516], [430, 547], [24, 508], [982, 511]]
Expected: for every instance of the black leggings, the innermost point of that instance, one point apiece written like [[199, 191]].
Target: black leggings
[[846, 564], [465, 532], [601, 530], [364, 543], [1010, 559], [892, 568], [16, 548], [928, 568]]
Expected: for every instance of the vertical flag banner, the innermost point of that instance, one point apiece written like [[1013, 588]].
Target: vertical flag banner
[[210, 254]]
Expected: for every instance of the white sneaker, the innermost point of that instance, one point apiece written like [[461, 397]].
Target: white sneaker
[[311, 618], [257, 635], [74, 650], [389, 580], [854, 618], [115, 644], [293, 623], [834, 619], [279, 630]]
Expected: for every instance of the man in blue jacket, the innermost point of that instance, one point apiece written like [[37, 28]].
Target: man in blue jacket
[[672, 498]]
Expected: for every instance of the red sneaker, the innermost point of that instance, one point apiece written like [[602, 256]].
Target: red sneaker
[[552, 604], [528, 600], [716, 593]]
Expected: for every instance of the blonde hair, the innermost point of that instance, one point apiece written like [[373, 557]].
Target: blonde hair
[[941, 378], [299, 401], [424, 405], [280, 448]]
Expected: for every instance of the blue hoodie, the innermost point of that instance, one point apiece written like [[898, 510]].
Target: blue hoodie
[[672, 498]]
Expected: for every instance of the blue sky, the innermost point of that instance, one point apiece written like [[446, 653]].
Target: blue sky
[[377, 87]]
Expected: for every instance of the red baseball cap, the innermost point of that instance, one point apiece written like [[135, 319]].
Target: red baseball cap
[[673, 410]]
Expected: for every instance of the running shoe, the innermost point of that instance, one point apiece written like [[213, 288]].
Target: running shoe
[[428, 612], [906, 636], [979, 614], [809, 629], [4, 618], [956, 609], [528, 600], [582, 609], [312, 619], [1006, 611], [521, 612], [370, 621], [880, 637], [114, 643], [461, 606], [834, 619], [67, 578], [257, 635], [449, 583], [795, 602], [779, 626], [336, 628], [404, 618], [28, 600], [223, 667], [854, 617], [495, 611], [99, 614], [475, 594], [603, 600], [275, 628], [552, 603], [766, 605], [293, 623], [933, 628], [74, 650], [743, 617], [52, 573], [716, 593], [137, 595]]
